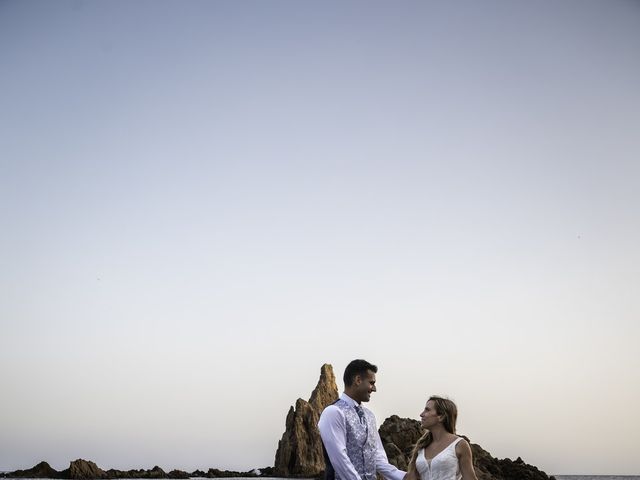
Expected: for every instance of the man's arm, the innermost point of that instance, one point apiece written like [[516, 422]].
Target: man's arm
[[333, 431], [382, 463]]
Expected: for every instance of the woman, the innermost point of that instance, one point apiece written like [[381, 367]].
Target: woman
[[440, 454]]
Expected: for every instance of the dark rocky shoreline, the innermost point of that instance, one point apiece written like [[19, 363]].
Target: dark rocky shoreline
[[86, 469], [299, 453]]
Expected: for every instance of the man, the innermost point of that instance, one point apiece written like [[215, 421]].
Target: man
[[352, 446]]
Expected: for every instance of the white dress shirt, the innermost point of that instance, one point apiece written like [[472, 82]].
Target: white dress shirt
[[333, 430]]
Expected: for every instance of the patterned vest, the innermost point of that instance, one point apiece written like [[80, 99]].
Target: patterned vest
[[361, 441]]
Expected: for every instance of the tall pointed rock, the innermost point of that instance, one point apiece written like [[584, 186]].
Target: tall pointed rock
[[326, 392], [300, 449]]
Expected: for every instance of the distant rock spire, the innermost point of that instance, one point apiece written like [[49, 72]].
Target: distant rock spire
[[300, 449]]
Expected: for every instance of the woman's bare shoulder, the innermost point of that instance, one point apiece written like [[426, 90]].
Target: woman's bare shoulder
[[462, 447]]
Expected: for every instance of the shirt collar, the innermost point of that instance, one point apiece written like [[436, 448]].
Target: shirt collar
[[349, 400]]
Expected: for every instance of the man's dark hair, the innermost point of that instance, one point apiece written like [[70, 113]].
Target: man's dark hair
[[357, 367]]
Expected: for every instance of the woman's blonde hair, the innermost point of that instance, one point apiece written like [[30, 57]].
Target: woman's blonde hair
[[444, 408]]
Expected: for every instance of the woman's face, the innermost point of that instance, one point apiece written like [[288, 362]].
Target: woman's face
[[429, 416]]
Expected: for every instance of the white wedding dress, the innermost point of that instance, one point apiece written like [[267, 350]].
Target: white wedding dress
[[444, 466]]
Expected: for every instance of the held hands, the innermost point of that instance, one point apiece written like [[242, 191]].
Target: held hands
[[411, 475]]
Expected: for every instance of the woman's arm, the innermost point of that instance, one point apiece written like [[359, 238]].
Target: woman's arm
[[463, 451], [411, 475]]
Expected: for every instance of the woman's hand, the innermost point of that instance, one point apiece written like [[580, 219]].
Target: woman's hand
[[411, 474]]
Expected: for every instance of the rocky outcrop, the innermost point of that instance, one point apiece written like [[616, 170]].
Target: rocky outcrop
[[299, 451], [399, 435], [155, 472], [41, 470], [178, 474], [489, 468], [83, 469], [215, 473], [326, 391]]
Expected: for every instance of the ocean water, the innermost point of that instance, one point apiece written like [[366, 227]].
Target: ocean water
[[558, 477], [597, 477]]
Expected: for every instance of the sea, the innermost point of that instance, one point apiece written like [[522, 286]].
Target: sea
[[597, 477], [558, 477]]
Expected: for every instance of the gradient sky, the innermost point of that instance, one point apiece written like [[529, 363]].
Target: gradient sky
[[203, 202]]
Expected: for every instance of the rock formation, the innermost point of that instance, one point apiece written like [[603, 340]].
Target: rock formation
[[178, 474], [399, 435], [155, 472], [84, 469], [489, 468], [326, 391], [299, 451], [41, 470]]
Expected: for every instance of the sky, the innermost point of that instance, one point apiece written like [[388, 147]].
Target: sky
[[203, 202]]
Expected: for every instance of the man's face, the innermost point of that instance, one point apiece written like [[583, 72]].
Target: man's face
[[365, 384]]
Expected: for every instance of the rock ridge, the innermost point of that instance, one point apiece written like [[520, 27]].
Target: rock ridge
[[84, 469], [399, 435]]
